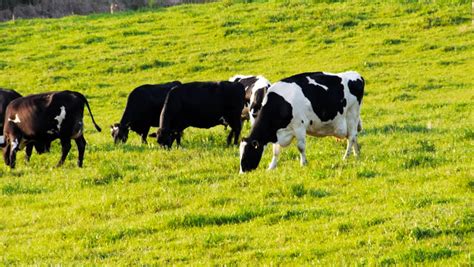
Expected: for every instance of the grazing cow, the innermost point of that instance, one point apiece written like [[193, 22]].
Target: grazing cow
[[255, 89], [318, 104], [144, 105], [6, 96], [201, 105], [43, 118]]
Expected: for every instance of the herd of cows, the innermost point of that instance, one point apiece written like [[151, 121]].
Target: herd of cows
[[316, 103]]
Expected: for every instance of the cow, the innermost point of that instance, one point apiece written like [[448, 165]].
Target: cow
[[255, 89], [201, 105], [314, 103], [43, 118], [6, 96], [144, 105]]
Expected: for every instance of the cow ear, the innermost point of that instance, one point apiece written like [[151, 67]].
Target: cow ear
[[255, 144]]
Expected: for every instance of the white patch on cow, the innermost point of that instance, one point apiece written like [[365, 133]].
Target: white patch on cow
[[16, 120], [61, 117], [50, 131], [350, 75], [2, 139], [241, 151], [311, 81]]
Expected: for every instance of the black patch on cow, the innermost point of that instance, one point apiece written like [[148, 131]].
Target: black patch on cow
[[357, 89], [275, 114], [326, 103]]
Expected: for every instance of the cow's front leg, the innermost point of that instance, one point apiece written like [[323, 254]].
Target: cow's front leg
[[81, 147], [144, 135], [28, 151], [65, 146], [276, 152], [15, 146], [284, 138]]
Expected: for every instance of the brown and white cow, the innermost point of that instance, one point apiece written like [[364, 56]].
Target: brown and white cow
[[42, 118]]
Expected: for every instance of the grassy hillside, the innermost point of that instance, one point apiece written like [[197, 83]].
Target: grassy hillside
[[408, 199]]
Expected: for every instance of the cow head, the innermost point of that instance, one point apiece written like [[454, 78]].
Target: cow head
[[166, 137], [251, 152], [119, 133]]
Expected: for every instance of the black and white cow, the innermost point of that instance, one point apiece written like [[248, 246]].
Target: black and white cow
[[43, 118], [144, 105], [318, 104], [255, 89], [201, 105]]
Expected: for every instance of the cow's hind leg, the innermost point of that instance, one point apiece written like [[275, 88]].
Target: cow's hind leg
[[65, 146], [352, 138], [81, 147], [236, 128], [300, 134]]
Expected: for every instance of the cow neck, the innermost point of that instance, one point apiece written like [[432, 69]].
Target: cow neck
[[275, 114]]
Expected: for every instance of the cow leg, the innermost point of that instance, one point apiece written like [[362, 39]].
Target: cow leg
[[66, 146], [276, 152], [145, 134], [237, 132], [29, 151], [284, 138], [15, 145], [356, 147], [178, 139], [236, 128], [6, 152], [81, 147]]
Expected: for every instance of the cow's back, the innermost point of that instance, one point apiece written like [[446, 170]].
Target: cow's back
[[202, 104], [145, 102], [37, 114]]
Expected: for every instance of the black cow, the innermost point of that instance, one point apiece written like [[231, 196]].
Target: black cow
[[43, 118], [201, 105], [317, 103], [144, 105]]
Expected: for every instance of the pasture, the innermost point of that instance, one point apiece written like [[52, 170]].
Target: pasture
[[407, 199]]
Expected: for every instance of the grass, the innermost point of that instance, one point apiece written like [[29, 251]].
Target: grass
[[407, 200]]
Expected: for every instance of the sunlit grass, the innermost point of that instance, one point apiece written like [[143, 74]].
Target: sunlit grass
[[407, 200]]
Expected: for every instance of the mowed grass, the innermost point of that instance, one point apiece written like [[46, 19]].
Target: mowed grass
[[407, 200]]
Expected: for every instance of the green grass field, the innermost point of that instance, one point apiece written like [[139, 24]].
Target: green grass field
[[409, 199]]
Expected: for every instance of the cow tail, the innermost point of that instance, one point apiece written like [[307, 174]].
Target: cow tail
[[97, 127]]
